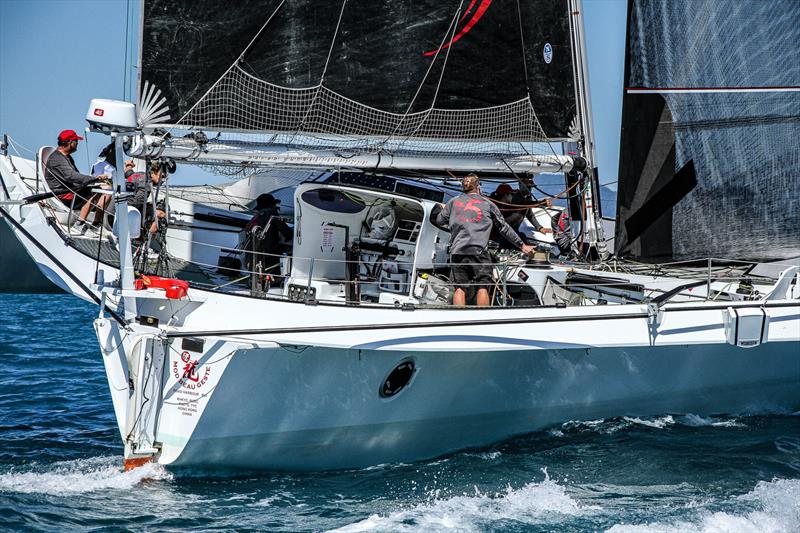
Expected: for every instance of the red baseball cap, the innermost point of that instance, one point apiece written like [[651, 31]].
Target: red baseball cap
[[504, 188], [69, 135]]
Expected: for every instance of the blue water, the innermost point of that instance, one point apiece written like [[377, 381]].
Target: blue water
[[61, 465]]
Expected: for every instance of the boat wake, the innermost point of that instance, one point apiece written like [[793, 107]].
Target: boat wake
[[533, 503], [78, 477], [771, 506], [613, 425]]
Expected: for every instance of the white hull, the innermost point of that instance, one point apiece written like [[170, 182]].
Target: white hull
[[311, 400], [286, 385], [321, 409]]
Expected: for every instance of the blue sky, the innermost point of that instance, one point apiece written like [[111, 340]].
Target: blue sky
[[56, 55]]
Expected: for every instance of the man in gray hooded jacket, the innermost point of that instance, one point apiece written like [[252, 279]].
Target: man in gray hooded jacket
[[70, 186], [470, 219]]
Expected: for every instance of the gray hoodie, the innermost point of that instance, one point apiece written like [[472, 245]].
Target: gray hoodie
[[470, 218], [62, 175]]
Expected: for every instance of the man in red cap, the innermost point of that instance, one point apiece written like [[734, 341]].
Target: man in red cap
[[70, 186], [515, 206]]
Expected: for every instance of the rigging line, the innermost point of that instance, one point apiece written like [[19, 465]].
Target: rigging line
[[146, 400], [99, 245], [333, 43], [15, 144], [236, 62], [61, 266], [425, 77], [320, 86], [125, 54], [522, 46], [438, 85], [548, 195]]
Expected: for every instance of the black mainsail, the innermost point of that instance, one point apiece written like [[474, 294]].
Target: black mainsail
[[709, 155], [453, 70]]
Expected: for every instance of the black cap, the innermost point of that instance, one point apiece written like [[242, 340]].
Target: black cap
[[266, 200]]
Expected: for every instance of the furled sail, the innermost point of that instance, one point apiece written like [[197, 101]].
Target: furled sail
[[485, 76], [709, 155]]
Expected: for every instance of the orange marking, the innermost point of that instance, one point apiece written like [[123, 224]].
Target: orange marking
[[135, 462]]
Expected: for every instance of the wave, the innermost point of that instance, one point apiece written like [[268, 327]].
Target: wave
[[772, 506], [693, 420], [533, 503], [486, 456], [79, 476], [613, 425]]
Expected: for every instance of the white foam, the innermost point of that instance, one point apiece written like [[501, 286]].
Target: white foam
[[486, 456], [612, 426], [777, 510], [532, 503], [693, 420], [79, 476], [658, 423], [583, 424]]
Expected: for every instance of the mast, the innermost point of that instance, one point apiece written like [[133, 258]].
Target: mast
[[118, 119], [591, 228]]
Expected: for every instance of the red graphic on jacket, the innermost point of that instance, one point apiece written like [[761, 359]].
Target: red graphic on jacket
[[476, 16], [468, 212]]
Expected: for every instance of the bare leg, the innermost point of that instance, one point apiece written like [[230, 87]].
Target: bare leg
[[84, 213], [460, 298], [99, 201], [483, 298]]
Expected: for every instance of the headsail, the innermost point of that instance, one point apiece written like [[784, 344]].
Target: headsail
[[709, 156], [492, 76]]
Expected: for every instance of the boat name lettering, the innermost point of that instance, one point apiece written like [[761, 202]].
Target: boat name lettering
[[188, 375]]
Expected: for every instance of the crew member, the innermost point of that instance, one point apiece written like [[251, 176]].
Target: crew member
[[264, 232], [70, 186], [142, 189], [470, 219], [515, 206], [106, 163]]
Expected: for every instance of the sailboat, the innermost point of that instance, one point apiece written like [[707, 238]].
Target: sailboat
[[350, 354]]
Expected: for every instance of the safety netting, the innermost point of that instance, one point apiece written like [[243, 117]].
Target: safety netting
[[320, 117]]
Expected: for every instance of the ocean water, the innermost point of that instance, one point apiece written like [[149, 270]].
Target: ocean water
[[61, 465]]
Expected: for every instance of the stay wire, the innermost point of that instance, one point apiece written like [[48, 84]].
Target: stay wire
[[522, 47], [438, 83], [125, 55], [321, 84], [427, 72]]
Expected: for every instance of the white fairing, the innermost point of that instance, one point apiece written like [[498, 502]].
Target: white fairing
[[134, 223], [111, 115]]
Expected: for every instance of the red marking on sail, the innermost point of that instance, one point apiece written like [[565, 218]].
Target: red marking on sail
[[484, 5], [469, 8]]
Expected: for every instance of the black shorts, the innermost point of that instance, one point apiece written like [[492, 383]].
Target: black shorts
[[469, 270]]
